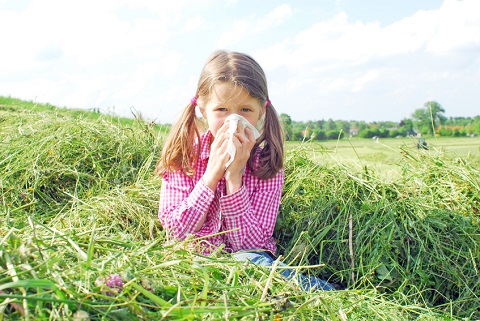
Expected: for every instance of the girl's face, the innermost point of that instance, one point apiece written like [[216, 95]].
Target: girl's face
[[226, 99]]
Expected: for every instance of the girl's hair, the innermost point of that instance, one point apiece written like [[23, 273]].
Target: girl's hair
[[179, 151]]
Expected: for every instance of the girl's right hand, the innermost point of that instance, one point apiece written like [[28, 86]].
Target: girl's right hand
[[218, 158]]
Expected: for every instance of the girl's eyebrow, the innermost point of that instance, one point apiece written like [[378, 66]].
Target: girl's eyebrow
[[247, 106], [224, 104], [217, 103]]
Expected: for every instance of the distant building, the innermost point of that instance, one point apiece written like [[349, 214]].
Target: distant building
[[452, 127], [305, 133]]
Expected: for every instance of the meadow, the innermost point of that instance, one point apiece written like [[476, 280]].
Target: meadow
[[385, 155], [395, 227]]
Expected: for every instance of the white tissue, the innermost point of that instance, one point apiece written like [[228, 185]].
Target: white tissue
[[233, 120]]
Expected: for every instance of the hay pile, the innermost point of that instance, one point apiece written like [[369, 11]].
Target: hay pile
[[56, 166], [78, 203], [416, 239]]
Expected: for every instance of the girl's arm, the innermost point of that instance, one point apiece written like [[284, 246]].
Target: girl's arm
[[254, 215], [183, 204]]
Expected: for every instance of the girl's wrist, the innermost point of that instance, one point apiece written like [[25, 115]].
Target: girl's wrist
[[233, 182], [233, 187], [210, 182]]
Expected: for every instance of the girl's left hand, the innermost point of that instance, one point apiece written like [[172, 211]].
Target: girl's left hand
[[244, 140]]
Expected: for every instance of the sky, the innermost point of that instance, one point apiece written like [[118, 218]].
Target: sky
[[371, 60]]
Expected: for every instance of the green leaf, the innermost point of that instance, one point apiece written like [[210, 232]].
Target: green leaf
[[383, 273]]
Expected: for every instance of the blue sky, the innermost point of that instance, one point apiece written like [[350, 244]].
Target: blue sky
[[367, 60]]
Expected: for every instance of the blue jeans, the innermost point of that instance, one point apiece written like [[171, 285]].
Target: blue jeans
[[307, 283]]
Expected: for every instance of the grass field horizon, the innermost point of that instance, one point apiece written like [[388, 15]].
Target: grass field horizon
[[385, 155], [396, 227]]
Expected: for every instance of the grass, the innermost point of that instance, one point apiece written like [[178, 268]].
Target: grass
[[384, 155], [13, 105], [415, 236], [78, 202]]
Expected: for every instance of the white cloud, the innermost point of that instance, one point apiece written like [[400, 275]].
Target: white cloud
[[148, 53], [273, 57], [85, 54], [339, 84], [458, 27], [253, 26], [238, 30], [454, 26], [342, 55], [335, 39], [274, 18], [195, 23], [366, 79]]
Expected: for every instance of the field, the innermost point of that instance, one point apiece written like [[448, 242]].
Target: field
[[395, 227], [385, 155]]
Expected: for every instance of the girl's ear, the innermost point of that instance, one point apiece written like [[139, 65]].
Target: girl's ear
[[264, 109], [261, 121], [200, 105], [262, 114], [202, 111]]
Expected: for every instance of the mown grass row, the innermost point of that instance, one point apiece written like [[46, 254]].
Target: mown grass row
[[53, 275], [416, 239], [78, 202]]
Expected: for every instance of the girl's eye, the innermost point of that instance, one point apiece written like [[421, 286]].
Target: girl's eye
[[222, 109], [245, 110]]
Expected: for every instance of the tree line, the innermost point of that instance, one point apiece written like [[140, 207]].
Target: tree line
[[429, 120]]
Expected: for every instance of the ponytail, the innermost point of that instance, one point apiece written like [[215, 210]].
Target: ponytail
[[178, 152], [271, 156]]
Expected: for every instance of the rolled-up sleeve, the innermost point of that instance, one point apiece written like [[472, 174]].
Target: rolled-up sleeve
[[183, 203]]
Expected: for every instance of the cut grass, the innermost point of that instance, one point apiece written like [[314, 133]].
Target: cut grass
[[416, 238], [78, 202], [164, 282]]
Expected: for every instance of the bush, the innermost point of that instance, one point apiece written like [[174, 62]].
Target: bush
[[369, 133], [319, 134], [334, 134]]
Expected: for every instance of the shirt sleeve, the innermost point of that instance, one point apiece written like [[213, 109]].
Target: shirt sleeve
[[183, 203], [254, 215]]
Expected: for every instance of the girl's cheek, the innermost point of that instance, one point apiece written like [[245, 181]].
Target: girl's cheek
[[214, 129], [217, 126]]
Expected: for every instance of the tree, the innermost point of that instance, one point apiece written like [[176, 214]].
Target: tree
[[361, 125], [429, 117], [369, 133], [476, 124], [330, 125], [318, 134], [436, 113], [343, 125], [320, 123], [334, 134], [406, 125]]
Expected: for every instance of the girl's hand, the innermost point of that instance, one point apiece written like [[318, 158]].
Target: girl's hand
[[244, 140], [218, 158]]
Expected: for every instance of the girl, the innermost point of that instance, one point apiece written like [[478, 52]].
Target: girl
[[233, 207]]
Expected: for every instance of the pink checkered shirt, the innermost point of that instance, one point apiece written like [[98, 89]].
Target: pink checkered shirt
[[252, 209]]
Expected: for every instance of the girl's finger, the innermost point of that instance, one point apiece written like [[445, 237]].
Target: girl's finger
[[246, 137], [239, 127], [223, 129], [249, 134]]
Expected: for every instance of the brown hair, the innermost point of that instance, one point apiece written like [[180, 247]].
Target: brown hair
[[240, 69]]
